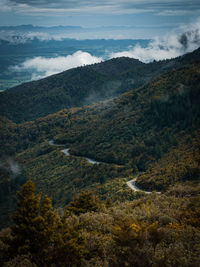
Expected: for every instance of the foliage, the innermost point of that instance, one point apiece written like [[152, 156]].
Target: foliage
[[39, 232], [84, 202], [158, 230], [180, 164]]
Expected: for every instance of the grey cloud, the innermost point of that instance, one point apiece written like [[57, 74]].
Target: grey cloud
[[178, 12], [117, 4], [163, 5], [190, 37], [62, 3]]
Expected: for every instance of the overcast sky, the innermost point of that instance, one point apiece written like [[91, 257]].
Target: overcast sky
[[147, 17]]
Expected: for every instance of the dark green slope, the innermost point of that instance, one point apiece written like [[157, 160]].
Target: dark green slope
[[153, 129], [169, 101], [83, 85], [139, 127], [143, 121], [74, 87]]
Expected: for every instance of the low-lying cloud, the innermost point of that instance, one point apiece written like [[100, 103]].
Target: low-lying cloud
[[170, 46], [11, 166], [50, 66], [20, 37], [42, 34]]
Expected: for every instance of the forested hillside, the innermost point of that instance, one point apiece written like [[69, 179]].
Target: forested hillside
[[82, 158], [158, 230], [74, 87], [152, 129], [83, 85]]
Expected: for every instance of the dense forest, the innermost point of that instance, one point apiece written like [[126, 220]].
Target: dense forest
[[150, 132], [157, 230]]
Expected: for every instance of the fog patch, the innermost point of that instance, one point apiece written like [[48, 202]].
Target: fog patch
[[11, 166], [14, 167], [181, 89], [43, 67], [170, 46], [109, 89]]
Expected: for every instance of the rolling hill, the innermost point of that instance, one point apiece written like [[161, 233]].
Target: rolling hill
[[153, 129], [82, 86]]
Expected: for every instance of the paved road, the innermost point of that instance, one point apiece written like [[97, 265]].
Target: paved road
[[67, 153], [133, 186], [51, 142], [130, 183]]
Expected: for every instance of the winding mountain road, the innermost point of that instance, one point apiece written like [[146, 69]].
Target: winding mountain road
[[67, 153], [130, 183], [133, 186]]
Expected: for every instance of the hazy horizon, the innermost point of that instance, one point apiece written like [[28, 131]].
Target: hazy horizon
[[140, 18], [39, 47]]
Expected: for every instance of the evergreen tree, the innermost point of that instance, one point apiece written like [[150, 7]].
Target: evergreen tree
[[25, 219], [48, 225], [40, 235]]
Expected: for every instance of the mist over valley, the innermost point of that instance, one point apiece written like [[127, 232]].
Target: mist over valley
[[31, 53]]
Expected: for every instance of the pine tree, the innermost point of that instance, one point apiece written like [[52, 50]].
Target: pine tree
[[36, 227], [40, 235], [24, 230], [48, 226]]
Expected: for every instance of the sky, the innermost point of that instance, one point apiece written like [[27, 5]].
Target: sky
[[173, 26], [146, 18]]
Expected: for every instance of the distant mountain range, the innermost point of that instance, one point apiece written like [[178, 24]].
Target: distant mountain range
[[30, 27]]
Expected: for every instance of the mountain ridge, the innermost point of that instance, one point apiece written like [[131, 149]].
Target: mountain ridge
[[83, 85]]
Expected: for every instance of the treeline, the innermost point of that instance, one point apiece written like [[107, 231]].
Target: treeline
[[158, 230]]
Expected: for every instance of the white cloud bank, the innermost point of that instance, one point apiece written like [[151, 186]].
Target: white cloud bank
[[50, 66], [170, 46]]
